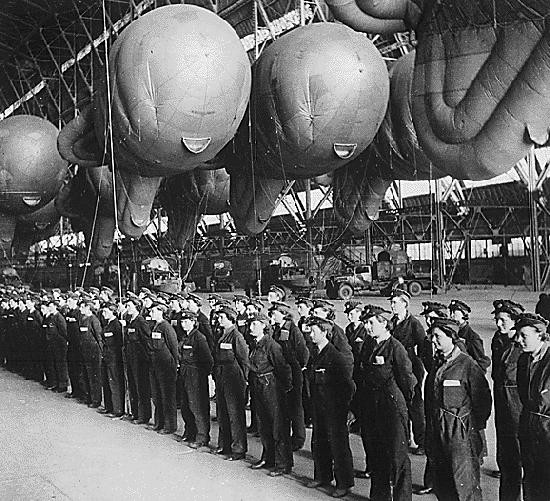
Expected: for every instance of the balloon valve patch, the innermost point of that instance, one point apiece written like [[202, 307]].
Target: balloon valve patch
[[196, 145], [32, 200], [344, 150]]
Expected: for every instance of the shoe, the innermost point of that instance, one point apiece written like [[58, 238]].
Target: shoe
[[140, 421], [197, 445], [52, 388], [236, 457], [165, 432], [494, 474], [116, 415], [221, 452], [93, 406], [156, 427], [102, 410], [421, 491], [280, 472], [71, 395], [313, 484], [361, 474], [296, 447], [214, 419], [61, 390], [251, 429], [419, 451], [129, 417], [259, 465], [339, 493], [309, 426]]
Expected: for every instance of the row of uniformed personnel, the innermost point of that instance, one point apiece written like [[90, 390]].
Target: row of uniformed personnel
[[375, 368]]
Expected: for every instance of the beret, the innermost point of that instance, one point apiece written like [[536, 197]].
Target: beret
[[456, 304], [531, 320]]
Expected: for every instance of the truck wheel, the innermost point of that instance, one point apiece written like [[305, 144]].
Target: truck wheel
[[345, 292], [414, 288]]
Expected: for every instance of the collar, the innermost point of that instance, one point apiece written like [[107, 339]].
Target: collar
[[537, 357], [451, 356]]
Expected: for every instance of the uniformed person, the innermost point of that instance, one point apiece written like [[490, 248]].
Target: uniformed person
[[196, 364], [459, 404], [112, 365], [56, 338], [36, 336], [163, 349], [91, 344], [138, 362], [270, 378], [276, 294], [325, 309], [231, 373], [304, 306], [505, 353], [408, 330], [534, 389], [385, 384], [460, 313], [74, 355], [332, 389], [240, 301], [291, 340], [194, 305], [253, 308]]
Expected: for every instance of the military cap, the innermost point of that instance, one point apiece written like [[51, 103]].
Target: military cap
[[93, 290], [222, 303], [144, 290], [531, 320], [86, 301], [72, 295], [372, 310], [57, 290], [278, 290], [323, 323], [194, 297], [159, 304], [108, 290], [259, 317], [228, 311], [507, 306], [447, 325], [214, 297], [433, 307], [110, 305], [186, 314], [241, 298], [401, 293], [304, 300], [280, 306], [323, 303], [256, 303], [456, 304], [352, 305]]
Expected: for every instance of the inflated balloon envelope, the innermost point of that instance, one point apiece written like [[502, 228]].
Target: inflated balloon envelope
[[179, 83]]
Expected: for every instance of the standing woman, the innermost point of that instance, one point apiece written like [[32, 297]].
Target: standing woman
[[91, 344], [534, 390], [505, 351], [231, 373], [459, 404], [385, 382], [112, 367], [163, 347], [270, 378]]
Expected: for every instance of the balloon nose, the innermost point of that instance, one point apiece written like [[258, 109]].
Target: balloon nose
[[344, 150], [196, 145]]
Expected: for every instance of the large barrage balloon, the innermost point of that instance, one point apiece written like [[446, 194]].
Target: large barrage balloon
[[180, 83], [319, 96], [31, 170], [180, 86]]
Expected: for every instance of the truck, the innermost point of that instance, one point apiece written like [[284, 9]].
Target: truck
[[287, 274], [391, 269]]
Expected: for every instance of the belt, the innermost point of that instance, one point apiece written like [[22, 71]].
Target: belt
[[460, 418], [265, 374]]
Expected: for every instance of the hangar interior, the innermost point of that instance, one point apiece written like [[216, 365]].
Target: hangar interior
[[53, 54]]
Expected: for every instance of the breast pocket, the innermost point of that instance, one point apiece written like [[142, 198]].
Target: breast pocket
[[225, 352], [453, 394], [156, 340]]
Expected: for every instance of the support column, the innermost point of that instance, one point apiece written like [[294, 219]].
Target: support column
[[439, 237], [533, 225]]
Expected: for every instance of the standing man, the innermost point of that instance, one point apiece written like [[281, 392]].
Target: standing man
[[534, 390], [295, 351], [112, 366], [231, 374], [74, 355], [276, 294], [409, 332], [138, 333], [332, 389], [196, 364], [163, 349], [35, 333], [56, 338], [505, 353]]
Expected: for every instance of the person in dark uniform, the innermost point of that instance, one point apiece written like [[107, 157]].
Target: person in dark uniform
[[112, 366], [231, 373], [325, 309], [253, 308], [458, 403], [91, 344], [56, 338], [534, 390], [460, 313], [543, 306], [431, 310], [332, 389], [74, 355], [304, 306], [270, 378], [409, 332], [295, 351], [163, 349], [196, 364], [276, 294], [356, 335], [505, 353], [240, 303], [136, 339], [194, 305], [34, 328], [385, 384]]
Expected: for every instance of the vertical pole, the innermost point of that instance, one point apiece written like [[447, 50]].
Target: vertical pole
[[308, 227], [368, 245], [439, 238], [468, 251], [533, 224]]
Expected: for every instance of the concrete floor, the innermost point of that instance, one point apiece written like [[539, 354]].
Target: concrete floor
[[54, 448]]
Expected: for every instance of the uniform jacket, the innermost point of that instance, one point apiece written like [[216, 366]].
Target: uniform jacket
[[267, 356], [474, 346], [194, 351], [163, 342], [293, 345], [231, 348]]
